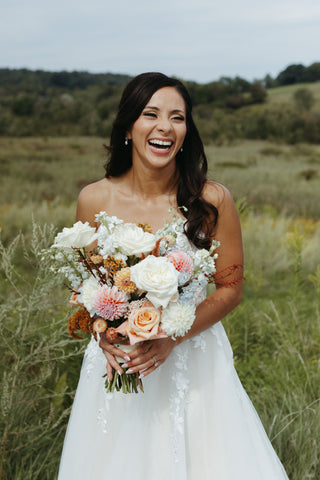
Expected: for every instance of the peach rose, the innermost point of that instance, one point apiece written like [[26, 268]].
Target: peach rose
[[143, 324]]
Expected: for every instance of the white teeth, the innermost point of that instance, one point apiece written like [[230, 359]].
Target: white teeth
[[161, 143]]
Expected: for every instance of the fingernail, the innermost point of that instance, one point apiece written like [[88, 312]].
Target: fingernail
[[129, 370], [119, 372], [141, 375], [124, 365], [127, 358]]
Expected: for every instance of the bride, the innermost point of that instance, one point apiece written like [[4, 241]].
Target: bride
[[194, 419]]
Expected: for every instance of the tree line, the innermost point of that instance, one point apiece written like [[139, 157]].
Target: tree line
[[83, 103], [296, 73]]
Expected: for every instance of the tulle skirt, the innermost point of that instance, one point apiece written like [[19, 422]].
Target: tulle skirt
[[194, 421]]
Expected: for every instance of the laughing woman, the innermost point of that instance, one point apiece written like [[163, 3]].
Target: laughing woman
[[194, 419]]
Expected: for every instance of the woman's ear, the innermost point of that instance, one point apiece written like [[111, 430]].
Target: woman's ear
[[128, 135]]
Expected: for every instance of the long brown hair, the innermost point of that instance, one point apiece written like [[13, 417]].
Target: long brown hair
[[191, 162]]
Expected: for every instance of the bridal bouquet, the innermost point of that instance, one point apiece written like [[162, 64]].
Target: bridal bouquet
[[134, 285]]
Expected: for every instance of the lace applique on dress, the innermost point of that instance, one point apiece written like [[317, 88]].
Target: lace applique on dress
[[215, 333], [102, 412], [199, 341], [90, 356], [178, 400]]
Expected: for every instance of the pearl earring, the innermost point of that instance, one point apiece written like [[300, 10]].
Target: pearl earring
[[126, 141], [181, 149]]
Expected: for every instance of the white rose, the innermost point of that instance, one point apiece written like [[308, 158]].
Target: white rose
[[158, 277], [79, 236], [87, 294], [133, 240]]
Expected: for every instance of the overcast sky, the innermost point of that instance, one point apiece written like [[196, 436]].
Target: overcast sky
[[199, 40]]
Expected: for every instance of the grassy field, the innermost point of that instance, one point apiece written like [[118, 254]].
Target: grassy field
[[284, 94], [275, 332]]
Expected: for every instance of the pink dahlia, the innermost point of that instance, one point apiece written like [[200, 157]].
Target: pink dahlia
[[110, 303], [181, 261]]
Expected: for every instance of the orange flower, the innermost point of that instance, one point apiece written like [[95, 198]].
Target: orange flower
[[112, 265], [80, 320], [145, 227], [143, 324], [96, 259], [122, 281], [99, 325]]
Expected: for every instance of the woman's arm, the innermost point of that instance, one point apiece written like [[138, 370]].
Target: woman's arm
[[229, 282], [89, 204]]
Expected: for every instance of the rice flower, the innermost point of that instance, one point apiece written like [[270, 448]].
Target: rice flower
[[123, 282], [181, 261], [110, 303], [177, 318]]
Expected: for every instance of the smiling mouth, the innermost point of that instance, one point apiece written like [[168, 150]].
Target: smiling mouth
[[161, 144]]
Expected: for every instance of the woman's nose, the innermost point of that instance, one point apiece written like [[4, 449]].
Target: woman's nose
[[164, 125]]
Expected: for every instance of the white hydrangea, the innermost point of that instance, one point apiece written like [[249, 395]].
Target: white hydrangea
[[172, 228], [105, 242], [177, 318], [204, 261], [109, 222]]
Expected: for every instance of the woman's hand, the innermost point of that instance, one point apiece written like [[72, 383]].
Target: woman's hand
[[111, 352], [147, 356]]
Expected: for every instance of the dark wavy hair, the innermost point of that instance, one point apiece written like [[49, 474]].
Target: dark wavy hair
[[191, 162]]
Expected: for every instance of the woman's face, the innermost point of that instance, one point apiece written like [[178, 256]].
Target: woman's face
[[158, 134]]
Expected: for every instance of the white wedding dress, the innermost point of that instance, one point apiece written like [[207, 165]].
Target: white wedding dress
[[194, 421]]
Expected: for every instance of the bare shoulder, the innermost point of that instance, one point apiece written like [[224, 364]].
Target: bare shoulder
[[92, 190], [218, 195], [91, 200]]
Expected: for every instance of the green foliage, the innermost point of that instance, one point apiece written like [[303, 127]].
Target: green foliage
[[304, 99], [299, 74], [276, 339], [79, 103], [38, 382]]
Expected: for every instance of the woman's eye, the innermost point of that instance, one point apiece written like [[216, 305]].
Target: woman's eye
[[150, 114], [181, 119]]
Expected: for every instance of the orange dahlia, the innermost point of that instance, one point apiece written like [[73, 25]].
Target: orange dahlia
[[122, 281]]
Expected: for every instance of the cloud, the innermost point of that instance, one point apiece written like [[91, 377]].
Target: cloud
[[194, 39]]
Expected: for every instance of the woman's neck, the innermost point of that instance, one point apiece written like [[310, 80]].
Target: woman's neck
[[149, 183]]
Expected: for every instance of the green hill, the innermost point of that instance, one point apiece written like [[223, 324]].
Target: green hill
[[39, 103]]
